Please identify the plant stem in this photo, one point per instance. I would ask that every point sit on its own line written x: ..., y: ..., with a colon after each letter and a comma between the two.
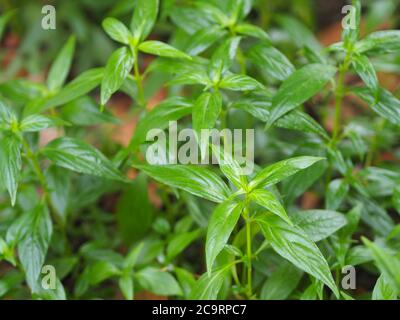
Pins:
x: 249, y: 253
x: 36, y: 167
x: 138, y: 78
x: 339, y: 94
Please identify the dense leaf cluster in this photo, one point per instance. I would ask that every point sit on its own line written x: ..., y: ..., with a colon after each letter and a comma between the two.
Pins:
x: 216, y: 233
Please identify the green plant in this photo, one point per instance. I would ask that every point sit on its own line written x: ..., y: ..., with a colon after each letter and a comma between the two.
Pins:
x: 221, y: 71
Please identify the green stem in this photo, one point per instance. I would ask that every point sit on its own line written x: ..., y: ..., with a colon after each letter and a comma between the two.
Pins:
x: 42, y: 180
x: 339, y: 94
x: 249, y: 253
x: 138, y: 78
x: 36, y: 167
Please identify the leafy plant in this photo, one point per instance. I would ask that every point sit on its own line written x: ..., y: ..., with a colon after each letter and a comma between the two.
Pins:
x: 111, y: 224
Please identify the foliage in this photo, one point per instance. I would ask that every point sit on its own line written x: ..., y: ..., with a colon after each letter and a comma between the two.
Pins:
x: 216, y: 233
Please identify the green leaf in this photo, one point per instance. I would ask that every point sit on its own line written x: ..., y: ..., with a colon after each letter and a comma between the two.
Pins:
x: 171, y: 109
x: 132, y: 257
x: 34, y: 242
x: 222, y: 58
x: 212, y: 12
x: 387, y: 263
x: 194, y: 179
x: 179, y: 242
x: 85, y: 111
x: 383, y: 103
x: 294, y: 245
x: 281, y: 283
x: 271, y: 60
x: 7, y: 115
x: 59, y: 70
x: 281, y: 170
x: 383, y: 290
x: 366, y: 71
x: 186, y: 281
x: 230, y: 167
x: 380, y: 42
x: 143, y: 19
x: 300, y: 87
x: 252, y: 31
x: 206, y: 111
x: 10, y: 164
x: 100, y: 271
x: 58, y: 182
x: 117, y: 69
x: 37, y: 122
x: 240, y: 82
x: 319, y: 224
x: 336, y: 193
x: 134, y: 212
x: 80, y: 86
x: 269, y: 201
x: 220, y: 227
x: 189, y: 19
x: 126, y: 285
x: 254, y: 105
x: 158, y: 282
x: 162, y: 49
x: 208, y: 286
x: 81, y: 157
x: 117, y: 30
x: 203, y: 39
x: 301, y: 121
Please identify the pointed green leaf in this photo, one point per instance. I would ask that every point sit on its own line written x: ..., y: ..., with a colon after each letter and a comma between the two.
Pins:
x: 383, y: 103
x: 206, y: 111
x: 281, y: 170
x: 337, y: 191
x: 301, y: 121
x: 366, y: 71
x: 158, y: 282
x: 220, y: 227
x: 240, y: 82
x: 271, y: 60
x: 78, y: 87
x: 143, y: 18
x: 34, y: 242
x: 380, y: 42
x: 222, y: 58
x: 268, y: 200
x: 10, y: 164
x: 79, y: 156
x: 229, y: 166
x: 387, y: 263
x: 162, y: 49
x: 117, y: 30
x: 203, y: 39
x: 302, y: 85
x: 171, y: 109
x: 60, y: 68
x: 319, y: 224
x: 117, y: 69
x: 194, y: 179
x: 293, y: 244
x: 252, y: 31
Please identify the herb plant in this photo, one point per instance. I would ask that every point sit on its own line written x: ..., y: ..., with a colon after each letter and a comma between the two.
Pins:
x: 112, y: 225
